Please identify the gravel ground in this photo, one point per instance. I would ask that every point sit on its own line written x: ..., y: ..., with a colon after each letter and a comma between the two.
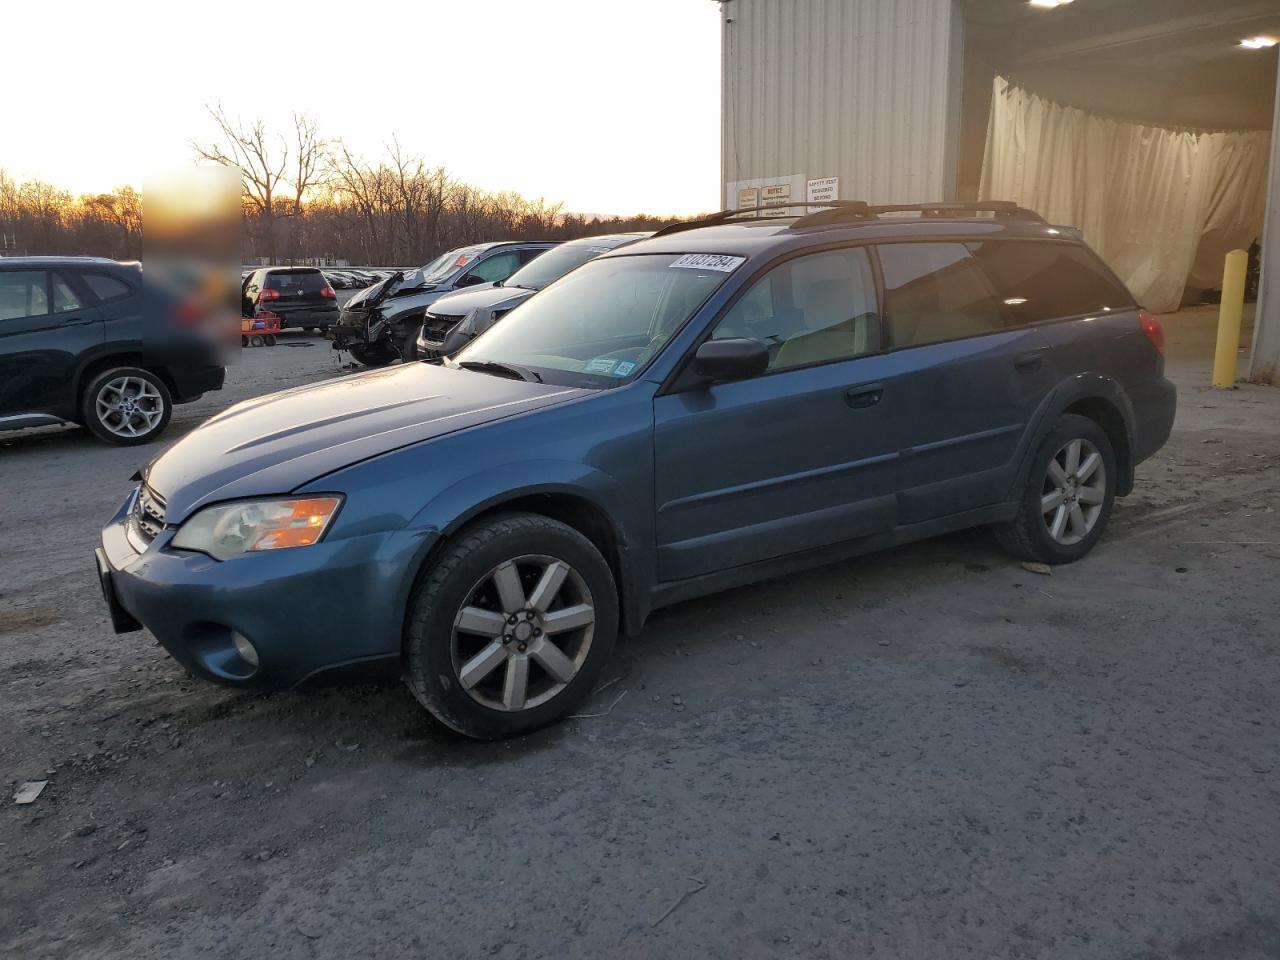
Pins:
x: 927, y: 752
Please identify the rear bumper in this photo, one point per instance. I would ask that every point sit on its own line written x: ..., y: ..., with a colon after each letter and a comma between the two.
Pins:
x: 305, y: 610
x: 306, y: 316
x: 1155, y: 405
x: 191, y: 382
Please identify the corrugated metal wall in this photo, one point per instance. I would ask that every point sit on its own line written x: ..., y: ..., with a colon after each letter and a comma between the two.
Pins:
x: 866, y: 90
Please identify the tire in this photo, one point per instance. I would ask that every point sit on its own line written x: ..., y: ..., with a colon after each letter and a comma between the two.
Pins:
x: 269, y: 339
x: 125, y: 399
x: 470, y: 681
x: 1057, y: 499
x: 255, y: 340
x: 370, y: 356
x: 409, y: 347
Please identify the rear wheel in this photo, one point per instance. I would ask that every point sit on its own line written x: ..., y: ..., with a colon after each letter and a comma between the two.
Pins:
x: 510, y: 627
x: 126, y: 406
x: 1069, y: 495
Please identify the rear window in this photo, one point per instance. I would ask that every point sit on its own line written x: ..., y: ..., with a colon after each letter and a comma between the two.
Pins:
x: 935, y: 292
x: 310, y: 281
x: 104, y: 287
x: 1044, y: 280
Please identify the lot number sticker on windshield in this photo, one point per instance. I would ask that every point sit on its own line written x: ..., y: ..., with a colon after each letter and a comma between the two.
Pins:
x: 709, y: 261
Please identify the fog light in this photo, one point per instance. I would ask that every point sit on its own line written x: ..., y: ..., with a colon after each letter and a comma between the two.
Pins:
x: 246, y: 649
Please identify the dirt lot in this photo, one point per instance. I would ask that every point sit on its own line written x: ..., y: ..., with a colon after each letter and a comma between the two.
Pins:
x: 925, y: 753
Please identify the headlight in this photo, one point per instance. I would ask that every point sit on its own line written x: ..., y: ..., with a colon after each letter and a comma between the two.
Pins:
x: 230, y: 529
x: 468, y: 323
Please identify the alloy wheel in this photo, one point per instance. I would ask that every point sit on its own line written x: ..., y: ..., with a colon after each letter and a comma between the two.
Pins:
x: 129, y: 406
x: 523, y: 633
x: 1074, y: 492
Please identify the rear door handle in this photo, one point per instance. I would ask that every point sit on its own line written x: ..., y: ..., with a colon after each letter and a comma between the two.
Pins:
x: 77, y: 323
x: 1030, y: 360
x: 867, y: 395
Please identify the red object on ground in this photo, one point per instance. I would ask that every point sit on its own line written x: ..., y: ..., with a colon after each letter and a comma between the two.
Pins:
x: 262, y: 322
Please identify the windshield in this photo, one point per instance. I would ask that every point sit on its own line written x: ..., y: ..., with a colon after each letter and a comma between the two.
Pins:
x: 440, y: 268
x: 604, y: 322
x: 554, y: 264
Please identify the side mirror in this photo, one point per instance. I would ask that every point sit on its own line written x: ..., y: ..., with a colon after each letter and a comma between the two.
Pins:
x: 733, y: 359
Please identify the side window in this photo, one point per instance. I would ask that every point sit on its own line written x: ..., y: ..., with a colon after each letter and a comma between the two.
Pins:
x: 812, y: 309
x: 935, y: 292
x: 65, y: 297
x: 104, y: 287
x: 23, y: 293
x: 527, y: 255
x: 498, y: 267
x: 1045, y: 280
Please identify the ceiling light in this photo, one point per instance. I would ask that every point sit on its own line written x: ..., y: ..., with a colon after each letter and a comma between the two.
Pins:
x: 1258, y: 43
x: 1048, y: 4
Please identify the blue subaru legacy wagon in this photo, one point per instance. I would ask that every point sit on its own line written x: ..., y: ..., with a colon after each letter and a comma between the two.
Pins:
x: 732, y: 399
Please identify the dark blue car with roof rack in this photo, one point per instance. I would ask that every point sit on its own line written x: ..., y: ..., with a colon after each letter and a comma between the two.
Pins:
x: 731, y: 399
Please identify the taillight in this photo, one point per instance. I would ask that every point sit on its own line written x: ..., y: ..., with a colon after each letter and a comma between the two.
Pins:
x: 1151, y: 327
x: 327, y: 293
x: 188, y: 313
x: 268, y: 293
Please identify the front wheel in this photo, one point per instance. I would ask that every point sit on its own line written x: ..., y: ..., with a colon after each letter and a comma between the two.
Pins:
x: 1069, y: 495
x: 510, y: 627
x: 126, y: 406
x: 371, y: 355
x: 409, y: 347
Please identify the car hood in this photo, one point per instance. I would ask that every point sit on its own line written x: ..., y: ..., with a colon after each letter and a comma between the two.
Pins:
x: 276, y: 443
x: 464, y: 301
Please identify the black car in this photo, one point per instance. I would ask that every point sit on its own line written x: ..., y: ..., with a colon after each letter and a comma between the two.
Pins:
x: 381, y: 323
x: 456, y: 319
x: 300, y: 296
x: 83, y: 341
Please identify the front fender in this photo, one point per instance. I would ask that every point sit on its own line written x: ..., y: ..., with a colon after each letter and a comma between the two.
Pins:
x: 488, y: 490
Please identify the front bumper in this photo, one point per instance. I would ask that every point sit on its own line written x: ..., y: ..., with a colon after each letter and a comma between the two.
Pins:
x: 305, y: 610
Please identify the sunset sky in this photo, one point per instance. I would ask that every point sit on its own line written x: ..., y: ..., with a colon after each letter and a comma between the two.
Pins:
x: 608, y: 106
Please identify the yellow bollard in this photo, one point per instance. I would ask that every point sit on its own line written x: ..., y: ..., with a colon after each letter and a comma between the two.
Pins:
x: 1228, y: 349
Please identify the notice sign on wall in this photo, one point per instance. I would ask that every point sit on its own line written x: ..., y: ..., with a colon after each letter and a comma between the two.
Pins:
x: 824, y: 189
x: 748, y: 197
x: 776, y: 195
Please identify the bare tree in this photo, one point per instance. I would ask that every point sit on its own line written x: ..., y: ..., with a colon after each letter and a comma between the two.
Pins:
x: 262, y: 162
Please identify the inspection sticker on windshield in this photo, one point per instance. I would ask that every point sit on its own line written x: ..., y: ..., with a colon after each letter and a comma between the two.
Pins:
x: 709, y: 261
x: 600, y: 365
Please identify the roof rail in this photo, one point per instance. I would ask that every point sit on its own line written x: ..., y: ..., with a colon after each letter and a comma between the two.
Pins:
x: 1002, y: 209
x: 853, y: 207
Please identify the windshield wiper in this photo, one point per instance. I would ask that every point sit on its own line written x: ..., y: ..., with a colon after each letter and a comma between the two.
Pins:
x: 502, y: 369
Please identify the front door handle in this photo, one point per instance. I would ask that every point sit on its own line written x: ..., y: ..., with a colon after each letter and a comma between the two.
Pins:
x: 867, y: 395
x: 1031, y: 360
x: 77, y: 323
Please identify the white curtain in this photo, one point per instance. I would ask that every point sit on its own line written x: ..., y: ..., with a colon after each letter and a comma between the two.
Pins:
x: 1161, y: 205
